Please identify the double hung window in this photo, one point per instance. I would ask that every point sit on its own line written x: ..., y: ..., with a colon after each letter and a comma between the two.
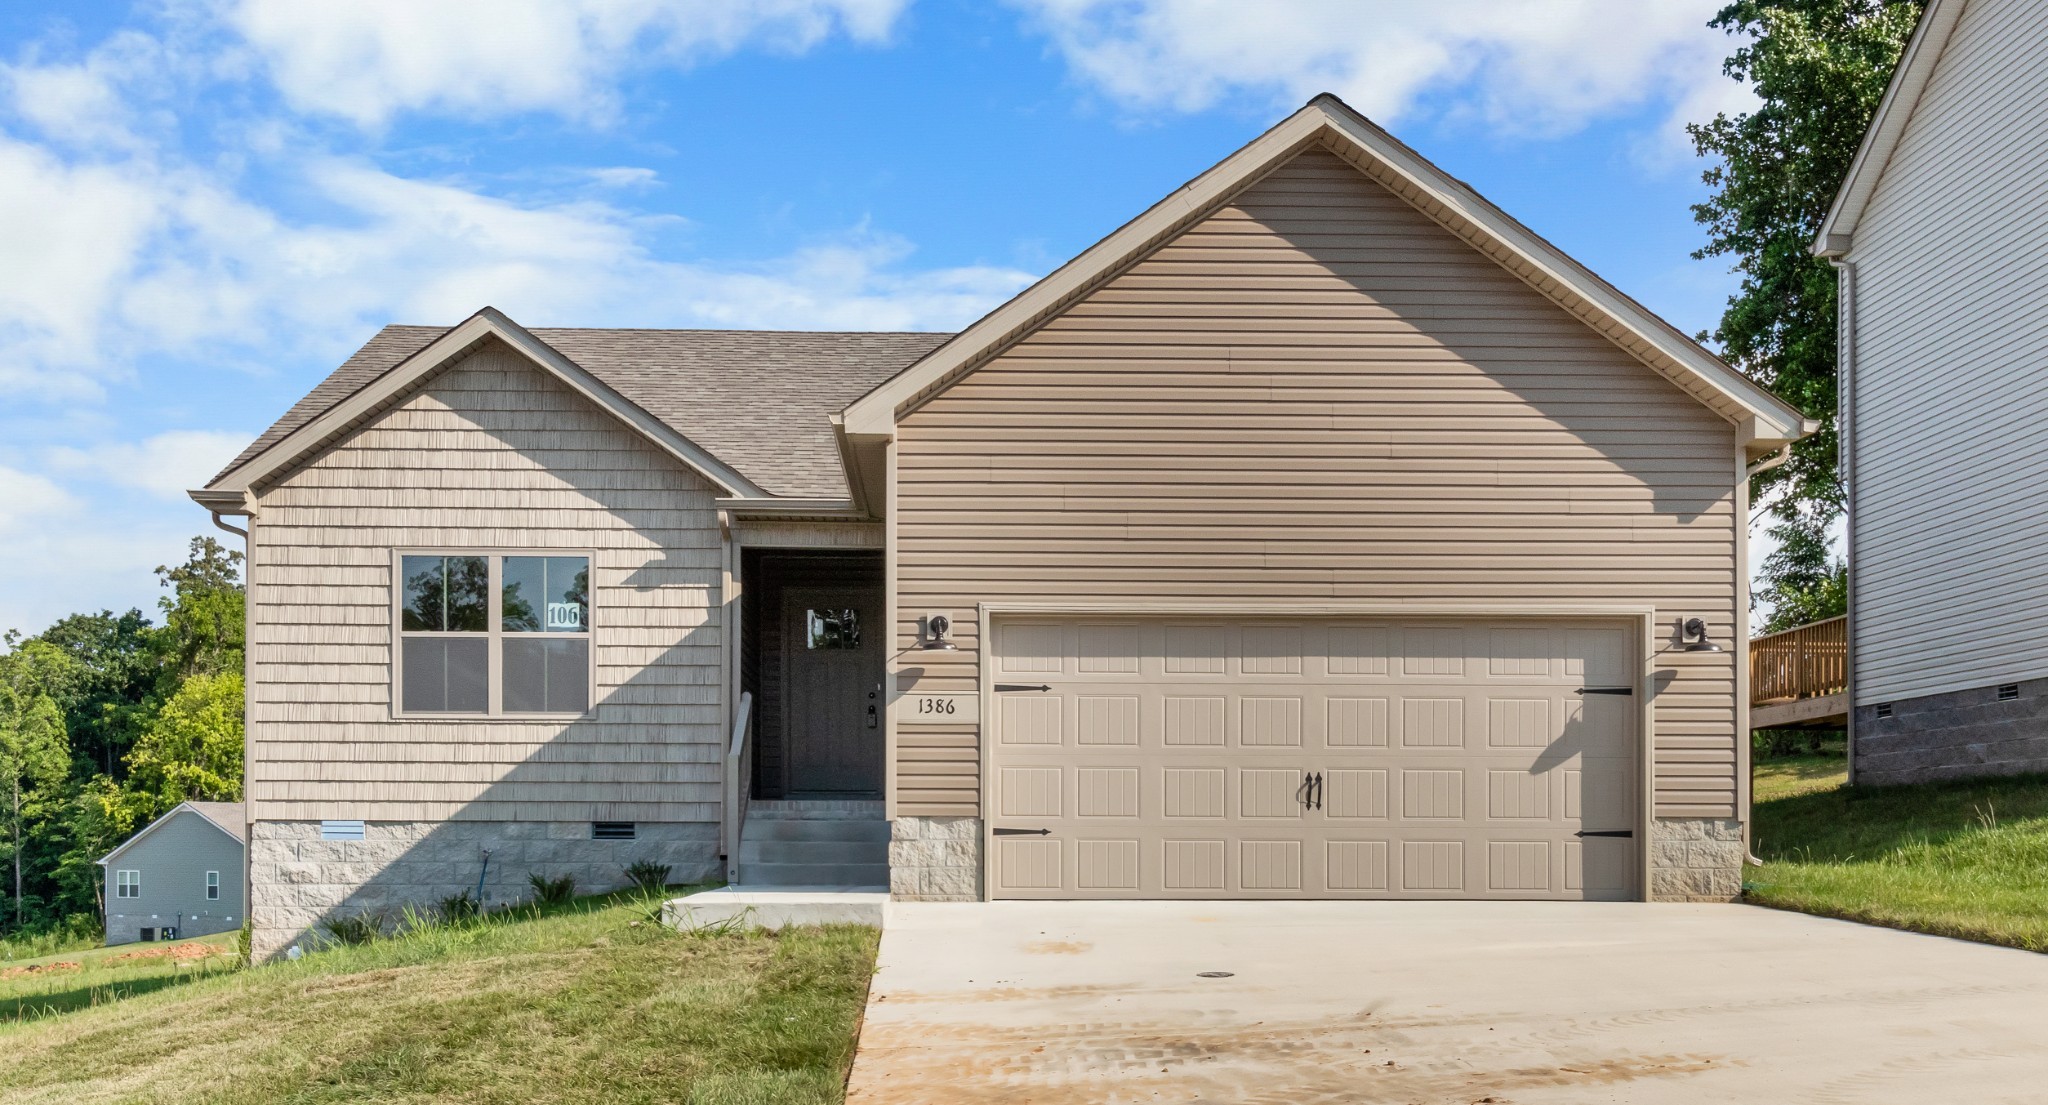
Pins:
x: 493, y: 634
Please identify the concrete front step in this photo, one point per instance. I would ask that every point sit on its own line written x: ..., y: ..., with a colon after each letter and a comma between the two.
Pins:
x: 778, y: 908
x: 776, y: 828
x: 816, y: 809
x: 813, y: 874
x: 813, y: 851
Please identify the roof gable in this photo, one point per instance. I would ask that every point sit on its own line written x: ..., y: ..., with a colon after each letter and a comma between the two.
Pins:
x: 759, y: 400
x: 1894, y: 113
x: 375, y: 395
x: 228, y: 817
x: 1326, y: 122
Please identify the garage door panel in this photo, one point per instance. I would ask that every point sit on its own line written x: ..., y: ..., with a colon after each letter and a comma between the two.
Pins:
x: 1181, y: 759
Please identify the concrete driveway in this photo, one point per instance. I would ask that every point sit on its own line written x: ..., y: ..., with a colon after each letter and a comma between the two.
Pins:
x: 1440, y: 1002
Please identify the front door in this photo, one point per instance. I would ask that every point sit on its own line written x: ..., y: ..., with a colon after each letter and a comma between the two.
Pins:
x: 832, y: 645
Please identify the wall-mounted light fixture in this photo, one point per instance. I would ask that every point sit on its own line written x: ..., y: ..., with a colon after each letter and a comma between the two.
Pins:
x: 1695, y: 636
x: 936, y: 626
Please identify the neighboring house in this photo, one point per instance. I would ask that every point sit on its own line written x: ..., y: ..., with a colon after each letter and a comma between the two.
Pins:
x: 1322, y: 532
x: 1941, y: 237
x: 180, y: 876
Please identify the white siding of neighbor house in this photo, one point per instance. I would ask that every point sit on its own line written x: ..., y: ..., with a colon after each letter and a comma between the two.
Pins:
x: 1317, y: 393
x: 492, y: 453
x: 1951, y: 389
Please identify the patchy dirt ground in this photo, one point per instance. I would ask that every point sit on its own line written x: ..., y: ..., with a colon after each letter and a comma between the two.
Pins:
x: 1438, y: 1003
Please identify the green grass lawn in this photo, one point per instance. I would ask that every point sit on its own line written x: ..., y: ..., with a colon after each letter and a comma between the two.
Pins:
x: 1955, y: 859
x: 67, y: 981
x: 595, y: 1002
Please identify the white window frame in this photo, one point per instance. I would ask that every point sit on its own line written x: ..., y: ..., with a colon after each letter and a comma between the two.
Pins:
x: 128, y: 883
x: 494, y: 694
x: 213, y: 886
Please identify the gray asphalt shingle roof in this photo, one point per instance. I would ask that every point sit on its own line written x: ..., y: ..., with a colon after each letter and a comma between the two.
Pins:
x: 228, y: 815
x: 756, y: 399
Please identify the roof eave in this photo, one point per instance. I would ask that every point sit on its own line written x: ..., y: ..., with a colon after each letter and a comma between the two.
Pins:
x: 1917, y: 62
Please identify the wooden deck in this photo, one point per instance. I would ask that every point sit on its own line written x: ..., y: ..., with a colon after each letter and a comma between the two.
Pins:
x: 1799, y: 678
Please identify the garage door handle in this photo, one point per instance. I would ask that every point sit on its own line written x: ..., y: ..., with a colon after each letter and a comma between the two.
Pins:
x: 1023, y: 687
x: 1022, y: 832
x: 1584, y: 832
x: 1607, y: 690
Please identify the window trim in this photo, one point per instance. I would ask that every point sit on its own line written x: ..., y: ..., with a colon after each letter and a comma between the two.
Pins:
x: 128, y: 883
x: 494, y: 636
x: 212, y: 883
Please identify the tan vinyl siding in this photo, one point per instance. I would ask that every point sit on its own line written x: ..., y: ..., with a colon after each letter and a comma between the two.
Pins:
x: 1316, y: 393
x: 491, y: 454
x: 1952, y: 337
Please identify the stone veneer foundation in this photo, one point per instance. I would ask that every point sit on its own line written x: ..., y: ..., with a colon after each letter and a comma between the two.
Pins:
x: 938, y: 859
x: 1696, y: 860
x: 297, y: 879
x: 935, y: 859
x: 1954, y: 735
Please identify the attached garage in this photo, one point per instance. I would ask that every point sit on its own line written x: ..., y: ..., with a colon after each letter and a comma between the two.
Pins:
x: 1323, y: 532
x: 1314, y: 757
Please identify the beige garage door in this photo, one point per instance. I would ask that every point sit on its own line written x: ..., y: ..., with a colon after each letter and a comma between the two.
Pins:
x: 1312, y: 758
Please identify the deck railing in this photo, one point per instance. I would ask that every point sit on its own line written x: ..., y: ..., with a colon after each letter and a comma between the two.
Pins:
x: 739, y: 782
x: 1807, y: 661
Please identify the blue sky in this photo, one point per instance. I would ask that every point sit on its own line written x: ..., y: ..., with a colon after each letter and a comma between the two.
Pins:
x: 207, y: 204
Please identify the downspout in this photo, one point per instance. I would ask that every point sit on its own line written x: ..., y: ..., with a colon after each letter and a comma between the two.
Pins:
x: 236, y: 530
x: 1746, y: 735
x: 1845, y: 464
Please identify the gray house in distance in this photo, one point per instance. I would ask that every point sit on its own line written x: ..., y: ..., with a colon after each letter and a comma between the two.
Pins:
x: 1321, y: 533
x: 1940, y: 236
x: 180, y: 876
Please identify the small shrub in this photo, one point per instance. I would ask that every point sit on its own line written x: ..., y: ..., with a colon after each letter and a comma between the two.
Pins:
x: 457, y: 908
x: 555, y: 891
x: 648, y: 875
x: 360, y: 928
x: 244, y: 940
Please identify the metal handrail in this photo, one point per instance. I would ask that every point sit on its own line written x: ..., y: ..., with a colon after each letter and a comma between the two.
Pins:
x: 1807, y: 661
x: 739, y: 780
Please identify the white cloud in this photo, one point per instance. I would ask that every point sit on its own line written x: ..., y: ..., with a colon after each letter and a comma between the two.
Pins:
x: 165, y: 465
x: 1541, y: 68
x: 623, y: 176
x: 368, y: 60
x: 26, y: 497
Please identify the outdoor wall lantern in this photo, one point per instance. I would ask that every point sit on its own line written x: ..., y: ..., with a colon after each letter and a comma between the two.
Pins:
x: 1695, y: 636
x: 936, y: 626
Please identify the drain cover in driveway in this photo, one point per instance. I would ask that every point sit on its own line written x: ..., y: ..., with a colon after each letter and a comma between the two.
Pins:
x: 1214, y: 974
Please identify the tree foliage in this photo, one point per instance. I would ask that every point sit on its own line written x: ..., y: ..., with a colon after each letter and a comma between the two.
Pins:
x: 1819, y: 68
x: 107, y: 721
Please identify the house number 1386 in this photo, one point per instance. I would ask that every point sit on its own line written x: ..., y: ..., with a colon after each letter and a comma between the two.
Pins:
x: 940, y: 706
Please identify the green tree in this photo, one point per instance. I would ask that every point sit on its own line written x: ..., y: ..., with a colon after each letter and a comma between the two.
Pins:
x: 118, y: 657
x: 203, y: 616
x: 35, y: 757
x: 1819, y: 67
x: 192, y: 750
x: 99, y: 816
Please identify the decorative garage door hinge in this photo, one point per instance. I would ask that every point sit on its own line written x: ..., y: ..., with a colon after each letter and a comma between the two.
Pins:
x: 1607, y: 690
x: 1601, y: 832
x: 1023, y: 832
x: 1023, y: 687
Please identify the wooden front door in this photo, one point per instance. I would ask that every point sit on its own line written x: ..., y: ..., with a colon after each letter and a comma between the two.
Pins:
x: 832, y: 653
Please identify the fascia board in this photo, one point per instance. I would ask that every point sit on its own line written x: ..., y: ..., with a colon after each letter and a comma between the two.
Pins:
x: 1551, y: 263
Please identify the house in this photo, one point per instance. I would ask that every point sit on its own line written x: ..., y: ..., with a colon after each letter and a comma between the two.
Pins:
x: 1940, y: 239
x: 1321, y: 532
x: 180, y: 876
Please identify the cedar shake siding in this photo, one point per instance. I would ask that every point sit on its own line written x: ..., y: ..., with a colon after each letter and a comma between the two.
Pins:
x: 490, y: 454
x: 1316, y: 393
